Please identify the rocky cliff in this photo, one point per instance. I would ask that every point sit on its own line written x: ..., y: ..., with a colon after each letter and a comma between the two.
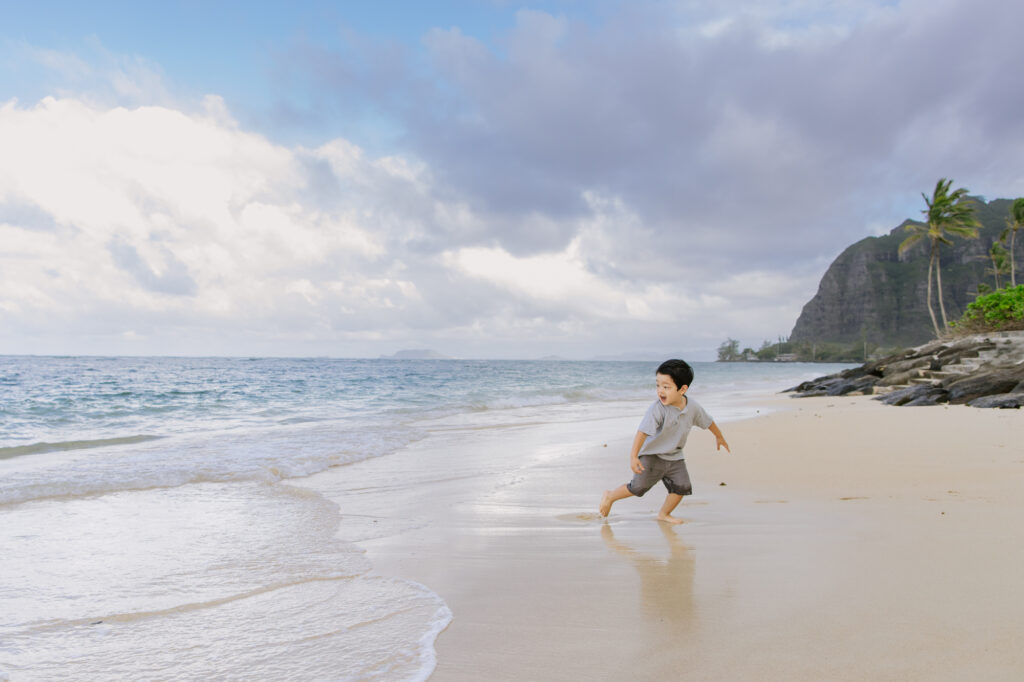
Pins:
x: 870, y: 293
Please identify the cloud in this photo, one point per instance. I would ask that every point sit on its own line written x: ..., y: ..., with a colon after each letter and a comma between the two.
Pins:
x: 171, y: 278
x: 738, y: 138
x: 156, y: 230
x: 95, y: 73
x: 650, y: 175
x: 562, y: 280
x: 721, y: 125
x: 151, y: 211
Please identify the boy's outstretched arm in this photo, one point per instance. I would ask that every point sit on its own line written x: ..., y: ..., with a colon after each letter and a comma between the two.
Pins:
x: 719, y: 438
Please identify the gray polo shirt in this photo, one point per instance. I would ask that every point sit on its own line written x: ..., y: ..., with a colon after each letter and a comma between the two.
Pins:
x: 667, y: 428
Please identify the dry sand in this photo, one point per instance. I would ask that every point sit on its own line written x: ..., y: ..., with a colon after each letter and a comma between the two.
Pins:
x: 850, y: 541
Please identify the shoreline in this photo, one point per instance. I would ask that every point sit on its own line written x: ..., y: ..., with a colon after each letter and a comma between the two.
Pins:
x: 850, y: 540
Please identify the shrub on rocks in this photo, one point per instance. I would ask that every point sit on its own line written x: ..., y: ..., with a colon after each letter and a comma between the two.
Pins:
x: 1002, y: 310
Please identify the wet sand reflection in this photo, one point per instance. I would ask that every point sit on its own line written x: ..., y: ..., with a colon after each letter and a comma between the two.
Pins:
x: 666, y: 582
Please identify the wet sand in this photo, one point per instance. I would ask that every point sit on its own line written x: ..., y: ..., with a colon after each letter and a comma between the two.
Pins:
x: 850, y: 541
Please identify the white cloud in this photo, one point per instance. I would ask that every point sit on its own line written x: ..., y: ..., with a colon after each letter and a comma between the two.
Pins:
x: 96, y: 74
x: 154, y: 230
x: 151, y: 229
x: 561, y: 278
x: 679, y: 170
x: 153, y: 211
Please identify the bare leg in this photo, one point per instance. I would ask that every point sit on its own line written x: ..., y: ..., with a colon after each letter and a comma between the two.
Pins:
x: 610, y: 497
x: 671, y: 502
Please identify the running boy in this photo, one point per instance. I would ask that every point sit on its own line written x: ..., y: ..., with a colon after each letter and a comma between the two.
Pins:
x: 657, y: 453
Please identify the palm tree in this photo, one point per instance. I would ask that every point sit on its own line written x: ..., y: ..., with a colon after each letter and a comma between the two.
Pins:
x: 1013, y: 223
x: 948, y: 213
x: 1000, y: 262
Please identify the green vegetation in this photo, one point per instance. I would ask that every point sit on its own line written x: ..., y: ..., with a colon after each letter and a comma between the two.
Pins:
x: 1001, y: 310
x: 803, y: 351
x: 1013, y: 223
x: 729, y: 351
x: 948, y: 213
x: 1000, y: 258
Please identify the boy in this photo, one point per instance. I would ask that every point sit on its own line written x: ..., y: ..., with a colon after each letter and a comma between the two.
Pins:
x: 667, y: 423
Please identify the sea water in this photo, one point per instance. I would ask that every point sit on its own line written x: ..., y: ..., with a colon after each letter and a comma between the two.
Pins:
x: 148, y: 529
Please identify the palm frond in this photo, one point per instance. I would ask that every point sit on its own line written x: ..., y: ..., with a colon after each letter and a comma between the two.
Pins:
x: 910, y: 241
x: 1017, y: 211
x: 965, y: 231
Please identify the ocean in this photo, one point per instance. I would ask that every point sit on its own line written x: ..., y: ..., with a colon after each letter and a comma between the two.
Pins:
x: 149, y: 529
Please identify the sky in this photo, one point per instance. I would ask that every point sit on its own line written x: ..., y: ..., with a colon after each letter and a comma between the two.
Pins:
x: 489, y: 179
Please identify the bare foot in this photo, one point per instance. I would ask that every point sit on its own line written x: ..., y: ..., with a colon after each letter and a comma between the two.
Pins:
x: 606, y: 503
x: 669, y: 519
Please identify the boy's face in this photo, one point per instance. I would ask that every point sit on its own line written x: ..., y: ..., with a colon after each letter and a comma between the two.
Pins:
x: 668, y: 393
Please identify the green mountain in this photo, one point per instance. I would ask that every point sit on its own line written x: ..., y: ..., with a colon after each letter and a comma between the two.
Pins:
x: 871, y: 294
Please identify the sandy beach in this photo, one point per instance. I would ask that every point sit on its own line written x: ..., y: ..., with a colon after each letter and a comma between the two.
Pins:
x: 841, y: 539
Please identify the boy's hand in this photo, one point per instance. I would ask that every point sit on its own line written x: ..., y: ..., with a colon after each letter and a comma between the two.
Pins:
x: 719, y: 438
x: 635, y: 465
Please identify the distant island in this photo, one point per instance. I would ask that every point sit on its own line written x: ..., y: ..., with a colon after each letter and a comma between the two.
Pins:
x: 641, y: 356
x: 416, y: 354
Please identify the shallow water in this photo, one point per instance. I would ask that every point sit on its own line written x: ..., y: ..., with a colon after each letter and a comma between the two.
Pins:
x: 149, y: 530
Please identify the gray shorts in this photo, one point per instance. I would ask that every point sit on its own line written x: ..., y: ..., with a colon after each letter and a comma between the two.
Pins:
x: 673, y: 474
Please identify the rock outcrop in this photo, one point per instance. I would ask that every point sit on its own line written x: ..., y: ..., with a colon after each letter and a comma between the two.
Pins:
x: 873, y: 294
x: 982, y: 371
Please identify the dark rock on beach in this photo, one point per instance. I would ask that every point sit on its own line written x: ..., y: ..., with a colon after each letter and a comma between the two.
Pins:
x: 856, y: 381
x: 981, y: 371
x: 1002, y: 400
x: 985, y: 384
x: 913, y: 396
x: 821, y: 386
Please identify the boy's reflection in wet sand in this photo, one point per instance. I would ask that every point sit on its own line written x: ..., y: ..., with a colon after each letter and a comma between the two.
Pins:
x: 666, y: 584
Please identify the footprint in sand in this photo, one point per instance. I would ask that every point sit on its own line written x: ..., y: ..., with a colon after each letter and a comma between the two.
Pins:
x: 844, y: 499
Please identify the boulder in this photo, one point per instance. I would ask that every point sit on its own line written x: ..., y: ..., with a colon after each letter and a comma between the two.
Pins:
x: 861, y: 385
x: 936, y: 396
x: 834, y: 385
x: 874, y: 367
x: 982, y: 384
x: 1001, y: 400
x: 900, y: 378
x: 858, y: 372
x: 816, y: 387
x: 957, y: 352
x: 919, y: 394
x: 813, y: 384
x: 904, y: 366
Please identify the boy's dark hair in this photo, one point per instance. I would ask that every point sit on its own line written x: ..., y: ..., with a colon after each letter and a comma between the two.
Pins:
x: 681, y: 373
